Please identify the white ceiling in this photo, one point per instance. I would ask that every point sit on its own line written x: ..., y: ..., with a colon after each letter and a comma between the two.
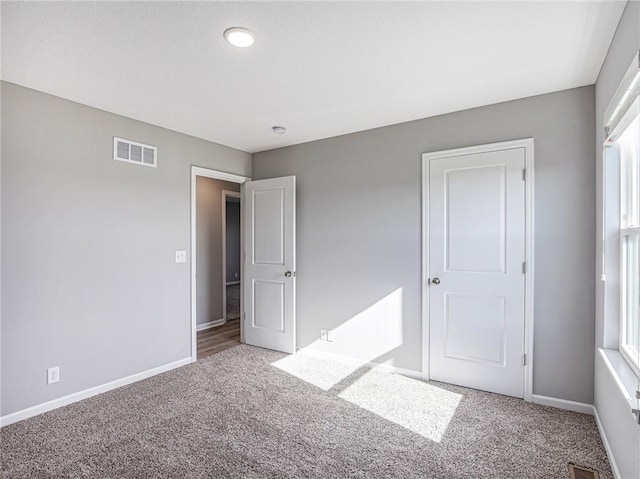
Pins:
x: 319, y: 68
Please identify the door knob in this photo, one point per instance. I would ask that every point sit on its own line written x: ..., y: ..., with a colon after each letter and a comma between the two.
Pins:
x: 436, y: 281
x: 287, y: 274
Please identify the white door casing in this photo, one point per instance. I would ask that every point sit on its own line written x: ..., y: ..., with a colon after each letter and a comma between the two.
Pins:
x: 477, y: 327
x: 270, y: 263
x: 218, y: 175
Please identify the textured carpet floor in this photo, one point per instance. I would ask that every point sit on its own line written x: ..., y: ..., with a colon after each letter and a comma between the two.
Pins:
x: 246, y: 412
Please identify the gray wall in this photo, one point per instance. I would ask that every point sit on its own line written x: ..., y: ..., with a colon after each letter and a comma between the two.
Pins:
x: 613, y: 410
x: 359, y: 219
x: 209, y: 293
x: 89, y: 279
x: 233, y: 241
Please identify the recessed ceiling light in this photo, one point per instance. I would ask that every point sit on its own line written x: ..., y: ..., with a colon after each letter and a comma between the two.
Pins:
x: 279, y: 130
x: 239, y: 37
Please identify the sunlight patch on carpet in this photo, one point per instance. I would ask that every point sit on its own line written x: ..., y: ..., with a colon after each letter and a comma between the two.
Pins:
x: 415, y: 405
x: 317, y: 368
x: 420, y: 407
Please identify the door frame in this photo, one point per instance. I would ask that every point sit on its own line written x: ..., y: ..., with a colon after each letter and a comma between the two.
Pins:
x: 527, y: 145
x: 216, y: 175
x: 228, y: 194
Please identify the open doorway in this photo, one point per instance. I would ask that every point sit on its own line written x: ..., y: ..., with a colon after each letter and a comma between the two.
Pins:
x: 231, y: 248
x: 216, y: 262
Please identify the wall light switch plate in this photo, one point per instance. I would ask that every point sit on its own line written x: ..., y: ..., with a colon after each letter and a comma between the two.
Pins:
x: 323, y: 335
x: 181, y: 256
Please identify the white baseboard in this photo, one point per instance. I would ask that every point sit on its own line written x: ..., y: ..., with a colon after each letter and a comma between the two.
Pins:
x: 210, y: 324
x: 232, y: 283
x: 587, y: 409
x: 607, y: 447
x: 387, y: 368
x: 410, y: 373
x: 563, y: 404
x: 87, y: 393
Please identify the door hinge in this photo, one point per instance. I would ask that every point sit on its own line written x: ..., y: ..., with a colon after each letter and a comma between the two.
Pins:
x: 524, y: 267
x: 244, y: 316
x: 524, y: 359
x: 524, y: 174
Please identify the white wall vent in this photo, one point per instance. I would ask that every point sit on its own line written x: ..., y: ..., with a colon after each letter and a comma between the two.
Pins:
x: 134, y: 152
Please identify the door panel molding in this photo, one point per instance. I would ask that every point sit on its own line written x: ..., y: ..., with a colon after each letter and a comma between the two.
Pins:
x: 451, y: 329
x: 268, y: 254
x: 460, y: 226
x: 528, y: 145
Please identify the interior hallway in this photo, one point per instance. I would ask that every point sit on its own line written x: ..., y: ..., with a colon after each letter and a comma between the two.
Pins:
x: 214, y: 340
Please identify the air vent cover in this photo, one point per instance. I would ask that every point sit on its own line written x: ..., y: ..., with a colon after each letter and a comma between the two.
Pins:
x: 579, y: 472
x: 134, y: 152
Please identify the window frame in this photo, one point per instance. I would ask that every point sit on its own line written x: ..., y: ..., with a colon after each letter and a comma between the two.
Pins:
x: 629, y: 230
x: 621, y: 114
x: 628, y: 353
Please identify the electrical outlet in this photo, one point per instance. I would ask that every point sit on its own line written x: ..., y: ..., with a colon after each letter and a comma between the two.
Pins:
x: 331, y: 335
x: 181, y: 256
x: 323, y: 335
x: 53, y: 375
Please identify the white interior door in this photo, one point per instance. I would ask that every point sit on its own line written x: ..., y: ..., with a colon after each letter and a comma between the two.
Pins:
x: 476, y: 288
x: 270, y: 263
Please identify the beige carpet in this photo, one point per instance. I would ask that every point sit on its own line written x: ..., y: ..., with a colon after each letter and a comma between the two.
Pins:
x: 249, y: 412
